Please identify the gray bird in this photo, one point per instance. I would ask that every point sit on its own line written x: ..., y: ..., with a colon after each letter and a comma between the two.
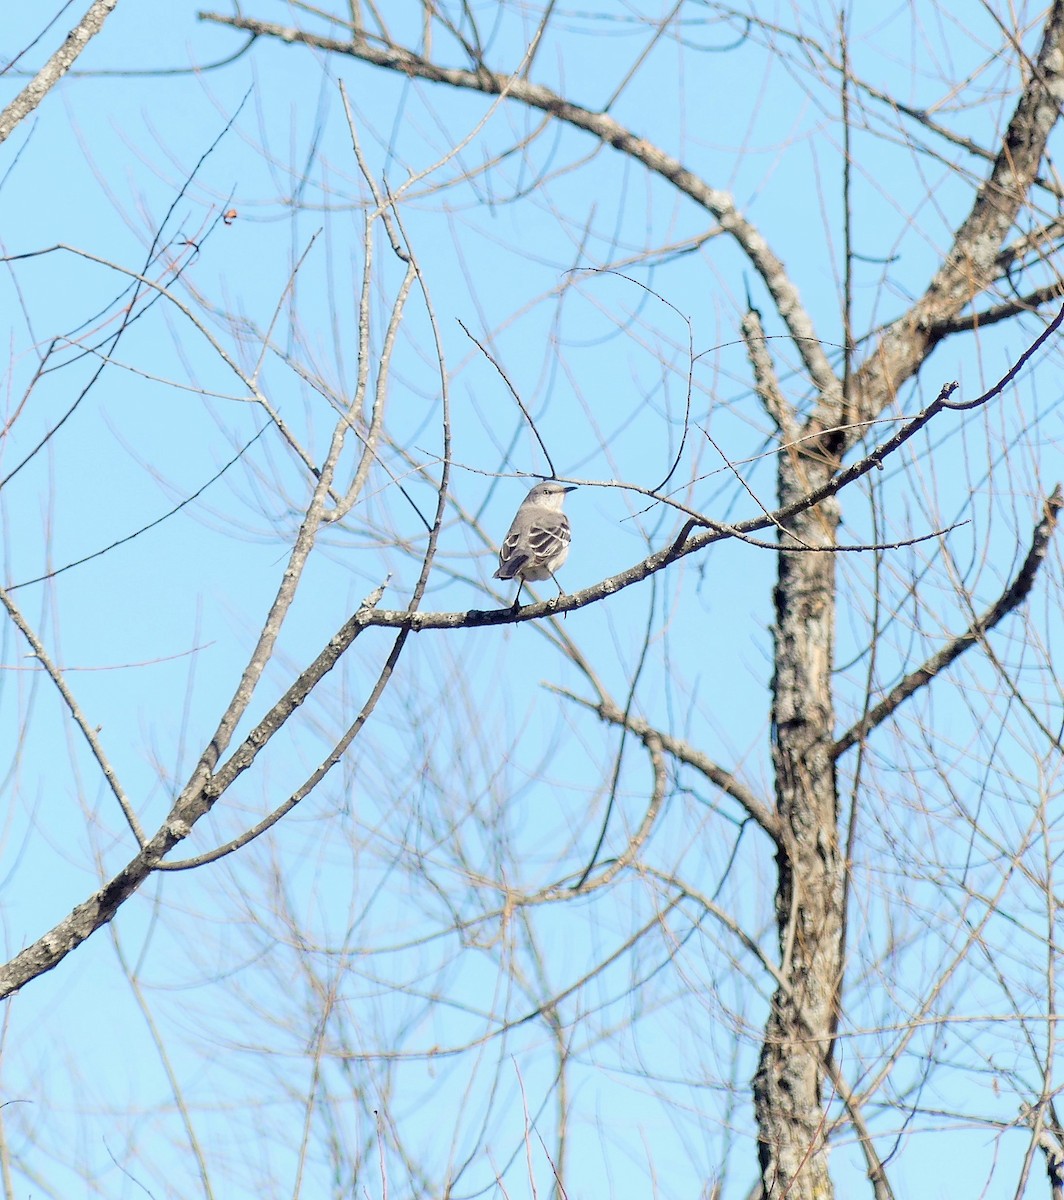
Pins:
x: 538, y: 541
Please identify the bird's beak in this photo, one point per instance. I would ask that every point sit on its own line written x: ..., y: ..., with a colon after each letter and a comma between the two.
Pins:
x: 570, y: 489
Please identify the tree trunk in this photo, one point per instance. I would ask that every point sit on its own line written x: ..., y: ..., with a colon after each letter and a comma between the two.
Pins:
x: 788, y: 1100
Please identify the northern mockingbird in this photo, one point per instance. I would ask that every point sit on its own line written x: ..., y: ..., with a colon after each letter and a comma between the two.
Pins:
x: 538, y: 541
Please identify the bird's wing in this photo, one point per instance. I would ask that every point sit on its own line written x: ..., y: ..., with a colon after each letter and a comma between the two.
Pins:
x: 511, y: 556
x: 541, y: 542
x: 547, y: 539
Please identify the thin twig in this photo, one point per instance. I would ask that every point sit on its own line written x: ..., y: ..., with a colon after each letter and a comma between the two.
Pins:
x: 1010, y: 599
x: 513, y: 392
x: 82, y: 722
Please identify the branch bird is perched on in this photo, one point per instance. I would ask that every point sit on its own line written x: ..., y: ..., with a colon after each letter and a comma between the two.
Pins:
x: 538, y: 541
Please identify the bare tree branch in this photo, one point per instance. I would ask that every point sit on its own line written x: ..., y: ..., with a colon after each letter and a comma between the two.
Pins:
x: 689, y: 755
x: 766, y: 379
x: 716, y: 201
x: 1050, y: 1141
x: 1001, y: 312
x: 972, y: 260
x: 1013, y: 596
x: 56, y: 67
x: 55, y: 674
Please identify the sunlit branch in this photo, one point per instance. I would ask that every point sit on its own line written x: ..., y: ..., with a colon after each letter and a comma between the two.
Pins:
x: 1050, y: 1140
x: 766, y: 379
x: 56, y: 67
x: 971, y: 262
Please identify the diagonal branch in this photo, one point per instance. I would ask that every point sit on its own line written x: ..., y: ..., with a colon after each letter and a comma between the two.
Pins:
x: 766, y: 379
x: 1048, y: 1139
x: 972, y: 261
x: 56, y: 67
x: 1010, y: 599
x: 197, y: 798
x: 87, y: 731
x: 683, y: 752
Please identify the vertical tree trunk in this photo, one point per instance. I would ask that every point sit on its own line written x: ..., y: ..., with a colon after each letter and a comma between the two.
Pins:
x: 788, y: 1086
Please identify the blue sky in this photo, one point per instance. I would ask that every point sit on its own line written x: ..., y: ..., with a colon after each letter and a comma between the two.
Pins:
x: 435, y: 810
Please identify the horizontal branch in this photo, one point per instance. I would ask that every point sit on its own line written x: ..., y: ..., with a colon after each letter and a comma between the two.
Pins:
x: 1000, y: 312
x: 202, y: 791
x: 1010, y: 599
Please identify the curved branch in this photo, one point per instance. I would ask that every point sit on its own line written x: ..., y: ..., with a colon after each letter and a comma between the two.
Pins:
x: 638, y: 839
x: 1011, y: 598
x: 683, y: 752
x: 716, y: 201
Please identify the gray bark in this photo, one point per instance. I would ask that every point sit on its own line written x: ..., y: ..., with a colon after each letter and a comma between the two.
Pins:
x: 788, y: 1086
x: 56, y: 67
x: 810, y: 898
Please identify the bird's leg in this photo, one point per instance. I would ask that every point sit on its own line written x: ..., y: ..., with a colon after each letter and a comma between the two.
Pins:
x: 561, y: 592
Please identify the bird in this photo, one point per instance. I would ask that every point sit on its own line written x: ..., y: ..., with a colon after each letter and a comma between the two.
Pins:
x: 538, y: 539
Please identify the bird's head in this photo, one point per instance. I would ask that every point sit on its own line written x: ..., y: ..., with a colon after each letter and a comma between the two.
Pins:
x: 550, y: 493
